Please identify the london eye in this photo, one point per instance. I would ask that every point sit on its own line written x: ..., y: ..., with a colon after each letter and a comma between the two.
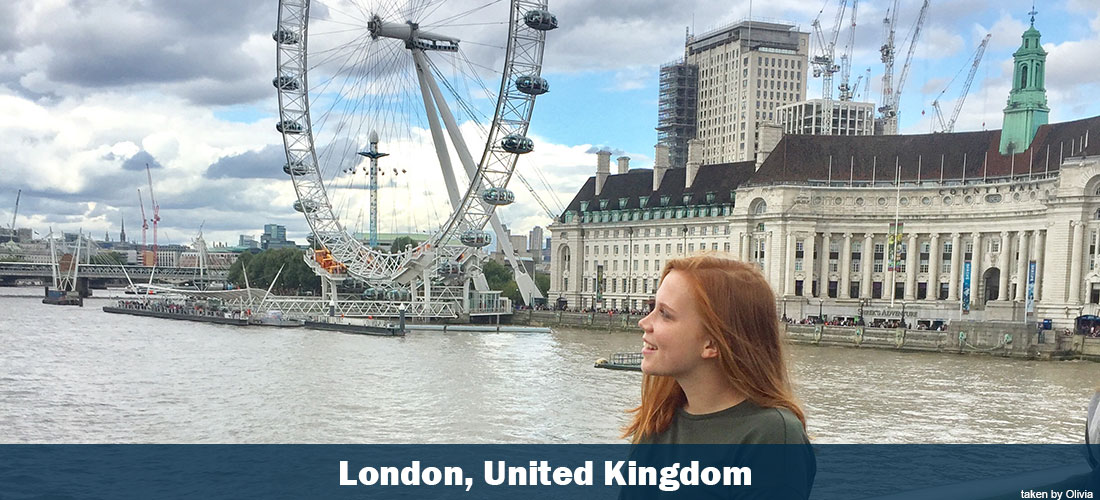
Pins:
x: 358, y: 77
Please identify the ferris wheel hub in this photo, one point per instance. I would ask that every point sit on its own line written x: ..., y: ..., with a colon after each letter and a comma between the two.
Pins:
x: 410, y: 33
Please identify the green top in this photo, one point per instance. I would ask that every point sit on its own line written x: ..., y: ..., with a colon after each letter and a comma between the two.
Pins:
x: 743, y: 423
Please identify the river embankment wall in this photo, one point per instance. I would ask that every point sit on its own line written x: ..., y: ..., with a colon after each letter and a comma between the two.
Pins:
x: 1015, y: 340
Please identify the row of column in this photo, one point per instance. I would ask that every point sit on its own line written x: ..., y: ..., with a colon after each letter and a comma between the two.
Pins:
x: 1029, y: 247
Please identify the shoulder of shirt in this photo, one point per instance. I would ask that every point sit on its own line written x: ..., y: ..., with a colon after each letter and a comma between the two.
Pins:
x: 778, y: 426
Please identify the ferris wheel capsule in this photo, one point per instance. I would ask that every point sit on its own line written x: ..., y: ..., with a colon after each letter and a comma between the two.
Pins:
x: 540, y: 20
x: 285, y: 37
x: 289, y: 127
x: 372, y: 294
x: 476, y: 239
x: 296, y: 169
x: 498, y: 196
x: 398, y: 295
x: 305, y: 206
x: 284, y: 82
x: 449, y: 269
x: 532, y: 85
x: 517, y: 144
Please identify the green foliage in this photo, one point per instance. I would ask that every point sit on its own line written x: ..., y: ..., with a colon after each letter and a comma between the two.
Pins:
x: 262, y: 268
x: 496, y: 274
x: 542, y: 281
x: 111, y: 258
x: 400, y: 242
x: 511, y: 291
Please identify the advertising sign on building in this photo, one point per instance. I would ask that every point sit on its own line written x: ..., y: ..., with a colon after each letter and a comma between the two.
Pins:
x: 966, y: 288
x: 1030, y: 288
x: 893, y: 246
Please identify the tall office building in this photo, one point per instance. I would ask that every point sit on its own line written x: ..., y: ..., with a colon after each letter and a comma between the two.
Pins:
x: 534, y: 244
x: 745, y: 72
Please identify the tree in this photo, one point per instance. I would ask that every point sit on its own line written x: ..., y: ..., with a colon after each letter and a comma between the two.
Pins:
x: 262, y: 269
x: 496, y: 274
x: 542, y: 280
x: 400, y: 242
x: 111, y: 258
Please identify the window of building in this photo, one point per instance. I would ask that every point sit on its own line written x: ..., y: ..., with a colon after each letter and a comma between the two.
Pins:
x: 880, y: 252
x: 922, y: 290
x: 853, y: 289
x: 925, y: 250
x: 944, y: 290
x: 899, y: 291
x: 876, y: 290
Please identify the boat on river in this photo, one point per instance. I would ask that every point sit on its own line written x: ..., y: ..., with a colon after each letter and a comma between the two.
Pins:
x: 626, y: 361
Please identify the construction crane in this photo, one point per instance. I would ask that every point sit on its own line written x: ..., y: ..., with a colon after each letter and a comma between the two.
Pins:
x: 908, y: 59
x: 156, y: 211
x: 949, y: 125
x: 886, y: 52
x: 846, y: 59
x: 891, y: 96
x: 144, y: 227
x: 15, y: 214
x: 824, y: 63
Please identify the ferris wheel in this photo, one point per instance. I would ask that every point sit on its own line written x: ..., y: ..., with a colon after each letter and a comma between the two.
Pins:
x: 355, y: 77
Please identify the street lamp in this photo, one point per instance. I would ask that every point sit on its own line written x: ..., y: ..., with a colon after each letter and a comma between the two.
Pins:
x: 820, y: 307
x: 903, y: 325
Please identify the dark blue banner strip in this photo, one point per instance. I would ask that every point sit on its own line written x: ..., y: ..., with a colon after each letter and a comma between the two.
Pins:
x: 547, y: 471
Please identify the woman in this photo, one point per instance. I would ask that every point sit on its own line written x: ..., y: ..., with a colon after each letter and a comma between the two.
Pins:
x: 714, y: 373
x: 713, y: 360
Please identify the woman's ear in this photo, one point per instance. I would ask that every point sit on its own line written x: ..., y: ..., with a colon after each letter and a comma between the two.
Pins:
x: 710, y: 350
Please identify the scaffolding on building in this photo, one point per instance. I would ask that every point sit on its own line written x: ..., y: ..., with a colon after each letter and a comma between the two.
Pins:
x: 677, y: 105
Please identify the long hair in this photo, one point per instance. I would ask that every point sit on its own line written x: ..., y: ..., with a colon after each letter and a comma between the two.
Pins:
x: 737, y: 309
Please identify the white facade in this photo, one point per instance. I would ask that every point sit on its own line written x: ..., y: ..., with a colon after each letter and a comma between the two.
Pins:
x: 824, y: 247
x: 746, y: 71
x: 808, y: 117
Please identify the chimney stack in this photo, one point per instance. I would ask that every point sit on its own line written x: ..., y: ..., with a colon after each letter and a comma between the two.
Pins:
x: 624, y: 164
x: 660, y: 164
x: 603, y: 169
x: 695, y: 160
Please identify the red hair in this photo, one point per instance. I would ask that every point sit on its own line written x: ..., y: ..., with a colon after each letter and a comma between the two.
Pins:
x: 737, y: 309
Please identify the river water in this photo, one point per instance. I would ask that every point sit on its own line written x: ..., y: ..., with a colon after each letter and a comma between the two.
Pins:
x: 79, y: 375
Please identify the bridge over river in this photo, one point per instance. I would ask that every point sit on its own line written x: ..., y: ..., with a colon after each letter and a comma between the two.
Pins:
x: 11, y: 271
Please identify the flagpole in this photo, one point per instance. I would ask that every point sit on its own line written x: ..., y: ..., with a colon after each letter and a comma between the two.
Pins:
x: 897, y: 242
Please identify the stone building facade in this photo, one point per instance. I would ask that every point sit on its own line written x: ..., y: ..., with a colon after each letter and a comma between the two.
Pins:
x: 983, y: 235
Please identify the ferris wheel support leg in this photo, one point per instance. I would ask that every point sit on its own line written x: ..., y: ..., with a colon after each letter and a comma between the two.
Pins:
x: 328, y: 287
x: 526, y: 285
x: 427, y: 280
x: 424, y: 76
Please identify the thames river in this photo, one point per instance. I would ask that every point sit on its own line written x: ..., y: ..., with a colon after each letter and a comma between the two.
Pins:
x: 79, y: 375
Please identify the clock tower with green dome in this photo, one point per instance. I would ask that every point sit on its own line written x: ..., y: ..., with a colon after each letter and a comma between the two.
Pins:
x: 1027, y: 102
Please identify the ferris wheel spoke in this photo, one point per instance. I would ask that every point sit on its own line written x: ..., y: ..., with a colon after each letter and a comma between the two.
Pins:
x: 460, y: 15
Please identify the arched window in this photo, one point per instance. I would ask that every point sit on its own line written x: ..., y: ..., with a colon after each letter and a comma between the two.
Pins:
x: 758, y: 207
x: 1023, y: 76
x: 1097, y: 214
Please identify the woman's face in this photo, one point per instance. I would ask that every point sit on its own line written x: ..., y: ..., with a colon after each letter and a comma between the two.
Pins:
x: 673, y: 341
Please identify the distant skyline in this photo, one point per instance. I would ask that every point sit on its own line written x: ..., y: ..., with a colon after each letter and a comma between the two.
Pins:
x: 91, y: 91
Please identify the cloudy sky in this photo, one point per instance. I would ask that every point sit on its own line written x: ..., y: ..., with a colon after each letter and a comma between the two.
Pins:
x: 91, y: 91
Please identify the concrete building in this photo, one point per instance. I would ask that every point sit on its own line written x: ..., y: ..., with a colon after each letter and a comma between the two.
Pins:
x: 808, y: 117
x: 981, y: 235
x: 534, y: 244
x: 249, y: 241
x: 275, y: 237
x: 745, y: 72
